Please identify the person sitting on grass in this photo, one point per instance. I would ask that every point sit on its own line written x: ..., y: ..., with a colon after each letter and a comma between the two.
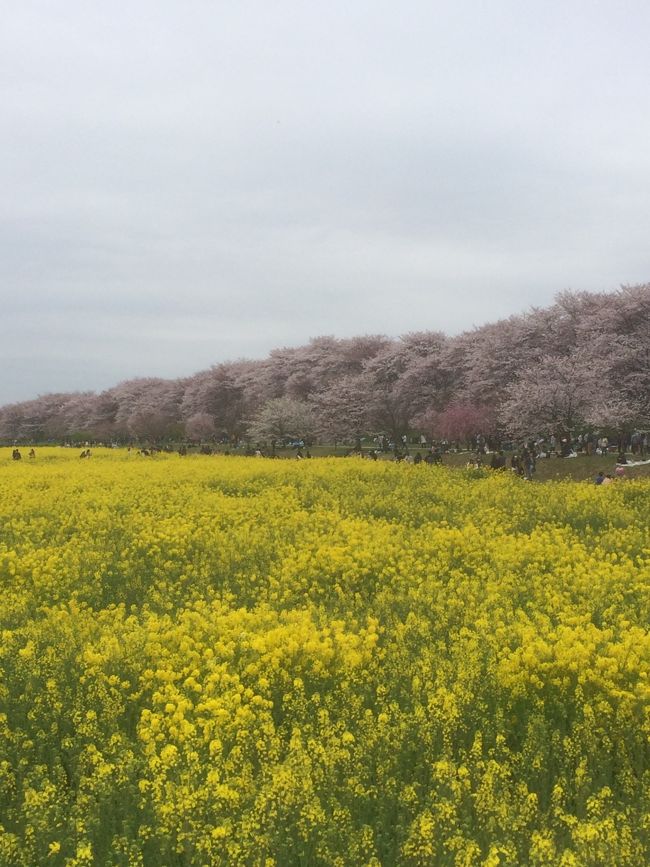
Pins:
x: 498, y: 461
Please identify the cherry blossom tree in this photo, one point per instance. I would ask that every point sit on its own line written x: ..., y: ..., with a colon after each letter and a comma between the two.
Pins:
x: 459, y: 422
x: 619, y: 342
x: 554, y: 396
x: 341, y: 411
x: 283, y: 418
x: 11, y: 422
x: 200, y: 426
x: 221, y: 393
x: 387, y: 383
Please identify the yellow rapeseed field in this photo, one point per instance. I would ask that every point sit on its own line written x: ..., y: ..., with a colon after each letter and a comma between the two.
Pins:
x: 231, y: 661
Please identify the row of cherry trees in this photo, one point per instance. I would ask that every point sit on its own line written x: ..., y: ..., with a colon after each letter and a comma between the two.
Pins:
x: 583, y: 362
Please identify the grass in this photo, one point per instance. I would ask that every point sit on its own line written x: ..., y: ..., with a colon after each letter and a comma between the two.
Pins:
x: 582, y: 468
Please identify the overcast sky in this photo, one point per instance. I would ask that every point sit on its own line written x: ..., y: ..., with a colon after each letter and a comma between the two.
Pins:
x: 188, y: 182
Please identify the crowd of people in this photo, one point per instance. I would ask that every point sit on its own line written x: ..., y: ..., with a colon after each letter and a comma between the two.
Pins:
x: 497, y: 456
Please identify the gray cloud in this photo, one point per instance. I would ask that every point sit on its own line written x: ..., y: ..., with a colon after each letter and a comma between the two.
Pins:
x: 185, y: 183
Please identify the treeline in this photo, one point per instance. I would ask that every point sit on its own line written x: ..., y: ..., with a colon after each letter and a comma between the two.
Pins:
x: 582, y: 363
